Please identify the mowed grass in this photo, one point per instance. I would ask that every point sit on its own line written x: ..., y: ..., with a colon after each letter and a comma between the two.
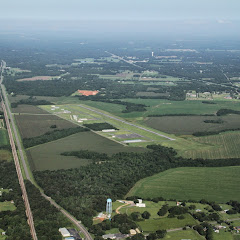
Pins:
x: 48, y: 156
x: 185, y: 234
x: 223, y: 145
x: 185, y: 125
x: 153, y: 225
x: 213, y: 184
x: 3, y: 137
x: 36, y: 125
x: 7, y: 206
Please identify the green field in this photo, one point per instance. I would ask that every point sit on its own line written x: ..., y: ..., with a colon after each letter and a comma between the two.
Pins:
x: 3, y: 137
x: 151, y: 207
x: 47, y: 156
x: 153, y: 225
x: 223, y: 145
x: 186, y: 234
x: 185, y: 125
x: 7, y: 206
x: 5, y: 155
x: 35, y: 125
x: 213, y: 184
x: 222, y: 235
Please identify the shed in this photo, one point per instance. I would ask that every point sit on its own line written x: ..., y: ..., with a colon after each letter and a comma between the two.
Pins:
x: 64, y: 232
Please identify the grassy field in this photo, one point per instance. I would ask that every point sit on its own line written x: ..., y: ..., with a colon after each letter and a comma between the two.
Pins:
x: 3, y: 137
x: 185, y: 125
x: 5, y: 155
x: 7, y: 206
x: 223, y: 145
x: 187, y: 234
x: 47, y: 156
x: 35, y: 125
x: 153, y: 225
x: 222, y: 235
x: 151, y: 207
x: 213, y: 184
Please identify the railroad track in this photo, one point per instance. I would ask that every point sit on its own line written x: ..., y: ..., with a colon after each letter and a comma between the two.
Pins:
x: 19, y: 174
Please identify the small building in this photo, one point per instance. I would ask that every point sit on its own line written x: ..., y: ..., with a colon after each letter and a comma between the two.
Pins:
x: 108, y: 130
x: 179, y: 203
x: 140, y: 203
x: 64, y: 232
x: 198, y: 210
x: 133, y: 232
x: 69, y: 238
x: 111, y: 236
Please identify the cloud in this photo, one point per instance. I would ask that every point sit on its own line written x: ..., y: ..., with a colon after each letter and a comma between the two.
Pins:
x: 221, y: 21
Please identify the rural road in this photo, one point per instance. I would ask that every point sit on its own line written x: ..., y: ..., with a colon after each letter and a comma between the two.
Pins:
x: 124, y: 205
x: 70, y: 217
x: 128, y: 123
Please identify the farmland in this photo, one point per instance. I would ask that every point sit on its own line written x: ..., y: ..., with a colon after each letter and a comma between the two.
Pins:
x: 223, y: 145
x: 29, y: 109
x: 187, y: 125
x: 213, y: 184
x: 36, y: 125
x: 48, y: 156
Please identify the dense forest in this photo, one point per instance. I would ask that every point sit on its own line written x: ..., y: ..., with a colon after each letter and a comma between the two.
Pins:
x: 83, y: 191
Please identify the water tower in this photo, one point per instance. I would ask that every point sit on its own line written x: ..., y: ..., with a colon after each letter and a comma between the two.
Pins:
x: 109, y: 207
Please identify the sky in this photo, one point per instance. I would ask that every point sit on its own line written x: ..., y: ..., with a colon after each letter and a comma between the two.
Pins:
x: 127, y: 10
x: 142, y: 17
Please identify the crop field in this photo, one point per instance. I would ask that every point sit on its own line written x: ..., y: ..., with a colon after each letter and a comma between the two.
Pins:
x: 36, y: 125
x: 223, y: 145
x: 213, y: 184
x: 29, y: 109
x: 153, y: 225
x: 47, y: 156
x: 186, y: 125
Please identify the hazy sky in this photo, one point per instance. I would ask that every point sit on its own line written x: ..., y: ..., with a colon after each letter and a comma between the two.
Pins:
x: 120, y: 9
